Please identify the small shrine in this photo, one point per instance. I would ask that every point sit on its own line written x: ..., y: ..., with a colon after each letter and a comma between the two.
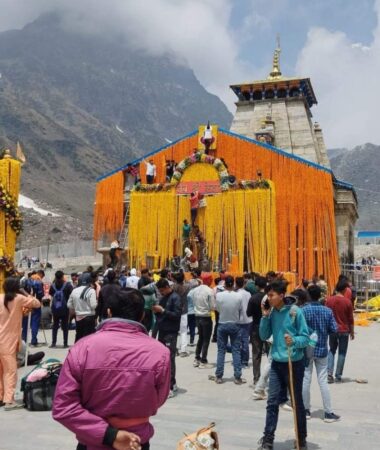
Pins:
x: 10, y: 218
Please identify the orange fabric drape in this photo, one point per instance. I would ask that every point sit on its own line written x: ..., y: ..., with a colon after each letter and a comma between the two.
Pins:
x: 109, y: 207
x: 306, y: 239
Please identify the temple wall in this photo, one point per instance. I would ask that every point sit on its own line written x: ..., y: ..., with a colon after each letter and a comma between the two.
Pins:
x: 294, y: 130
x: 345, y: 218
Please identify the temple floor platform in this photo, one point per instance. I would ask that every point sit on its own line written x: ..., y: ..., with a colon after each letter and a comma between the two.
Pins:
x: 239, y: 419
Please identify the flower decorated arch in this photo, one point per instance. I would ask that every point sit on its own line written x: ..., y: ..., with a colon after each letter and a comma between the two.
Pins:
x: 200, y: 157
x: 226, y: 180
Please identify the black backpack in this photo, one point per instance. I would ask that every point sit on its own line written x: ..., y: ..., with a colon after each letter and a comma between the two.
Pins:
x: 59, y: 303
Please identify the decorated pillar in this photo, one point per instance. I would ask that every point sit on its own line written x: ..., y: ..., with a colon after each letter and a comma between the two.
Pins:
x: 10, y: 219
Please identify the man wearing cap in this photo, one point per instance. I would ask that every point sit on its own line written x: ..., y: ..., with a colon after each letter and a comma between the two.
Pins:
x: 204, y: 302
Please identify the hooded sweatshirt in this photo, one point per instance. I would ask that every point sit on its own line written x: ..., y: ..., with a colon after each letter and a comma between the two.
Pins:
x: 288, y: 320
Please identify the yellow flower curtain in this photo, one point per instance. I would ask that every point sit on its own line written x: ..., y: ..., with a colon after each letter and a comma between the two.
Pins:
x: 10, y: 173
x: 237, y: 223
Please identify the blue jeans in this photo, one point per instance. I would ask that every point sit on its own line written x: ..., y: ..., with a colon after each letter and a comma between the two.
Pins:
x: 34, y: 325
x: 244, y: 349
x: 278, y: 384
x: 225, y: 331
x: 337, y: 341
x: 321, y: 368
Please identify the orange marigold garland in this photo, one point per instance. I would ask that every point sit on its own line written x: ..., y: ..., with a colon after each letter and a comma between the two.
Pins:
x: 109, y: 207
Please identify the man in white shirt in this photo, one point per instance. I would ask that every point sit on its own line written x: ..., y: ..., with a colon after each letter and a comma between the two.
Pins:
x: 83, y: 302
x: 150, y: 171
x: 245, y: 321
x: 204, y: 302
x: 229, y: 306
x: 133, y: 279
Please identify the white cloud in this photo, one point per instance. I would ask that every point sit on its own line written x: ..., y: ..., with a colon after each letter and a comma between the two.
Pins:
x: 197, y: 32
x: 345, y: 77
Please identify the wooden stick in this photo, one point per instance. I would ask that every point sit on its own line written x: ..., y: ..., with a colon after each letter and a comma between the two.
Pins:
x: 294, y: 407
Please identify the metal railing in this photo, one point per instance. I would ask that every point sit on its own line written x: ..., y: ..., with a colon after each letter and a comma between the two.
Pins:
x: 363, y: 278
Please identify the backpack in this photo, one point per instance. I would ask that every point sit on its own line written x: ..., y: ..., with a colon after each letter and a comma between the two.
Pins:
x: 59, y: 303
x: 39, y: 395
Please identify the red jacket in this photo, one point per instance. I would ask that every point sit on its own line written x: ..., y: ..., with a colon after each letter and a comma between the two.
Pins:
x: 117, y: 372
x: 343, y: 312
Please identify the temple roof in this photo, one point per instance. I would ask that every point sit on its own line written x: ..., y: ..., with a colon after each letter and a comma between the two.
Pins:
x: 235, y: 135
x: 276, y: 81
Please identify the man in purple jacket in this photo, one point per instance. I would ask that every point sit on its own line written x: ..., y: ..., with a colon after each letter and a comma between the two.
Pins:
x: 113, y: 381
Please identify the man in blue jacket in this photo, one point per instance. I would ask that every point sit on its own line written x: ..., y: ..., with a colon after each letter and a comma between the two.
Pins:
x: 287, y: 325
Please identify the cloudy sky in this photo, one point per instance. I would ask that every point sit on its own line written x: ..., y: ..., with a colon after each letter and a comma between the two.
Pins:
x: 334, y: 42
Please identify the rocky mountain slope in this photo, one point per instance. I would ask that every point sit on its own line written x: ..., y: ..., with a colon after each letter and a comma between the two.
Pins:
x: 360, y: 167
x: 83, y: 104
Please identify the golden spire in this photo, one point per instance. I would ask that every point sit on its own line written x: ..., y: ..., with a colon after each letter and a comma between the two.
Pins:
x: 276, y: 71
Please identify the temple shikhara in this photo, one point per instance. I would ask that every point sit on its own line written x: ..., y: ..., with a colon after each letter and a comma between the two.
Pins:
x: 258, y: 197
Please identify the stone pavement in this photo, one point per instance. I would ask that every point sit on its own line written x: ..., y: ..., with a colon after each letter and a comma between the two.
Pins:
x: 239, y: 419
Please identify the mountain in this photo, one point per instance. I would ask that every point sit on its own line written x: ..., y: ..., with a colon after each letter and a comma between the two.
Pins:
x: 359, y: 167
x: 83, y: 104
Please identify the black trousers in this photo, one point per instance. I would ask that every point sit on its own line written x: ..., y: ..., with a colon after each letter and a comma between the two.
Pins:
x: 148, y: 319
x: 191, y: 323
x: 113, y: 257
x: 170, y: 341
x: 257, y: 352
x: 84, y: 327
x: 145, y: 446
x: 63, y: 322
x: 194, y: 213
x: 215, y: 334
x: 204, y: 325
x: 149, y: 179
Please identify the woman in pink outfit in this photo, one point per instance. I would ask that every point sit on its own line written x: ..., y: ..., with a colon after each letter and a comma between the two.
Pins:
x: 12, y: 305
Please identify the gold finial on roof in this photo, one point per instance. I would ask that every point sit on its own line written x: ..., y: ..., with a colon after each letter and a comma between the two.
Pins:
x: 276, y: 71
x: 7, y: 154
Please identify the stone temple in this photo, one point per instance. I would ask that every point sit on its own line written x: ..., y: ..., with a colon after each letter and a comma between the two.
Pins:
x: 277, y: 110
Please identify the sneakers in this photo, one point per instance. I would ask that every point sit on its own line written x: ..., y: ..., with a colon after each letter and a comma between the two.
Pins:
x: 216, y: 379
x: 286, y: 407
x: 171, y: 394
x: 205, y: 366
x: 196, y: 363
x: 52, y: 346
x: 192, y: 344
x: 240, y: 381
x: 330, y: 379
x: 175, y: 388
x: 259, y: 395
x: 13, y: 406
x: 308, y: 415
x: 184, y: 354
x: 338, y: 380
x: 265, y: 444
x: 331, y: 417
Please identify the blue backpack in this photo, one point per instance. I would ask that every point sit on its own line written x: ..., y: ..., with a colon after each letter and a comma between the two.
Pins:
x: 59, y: 303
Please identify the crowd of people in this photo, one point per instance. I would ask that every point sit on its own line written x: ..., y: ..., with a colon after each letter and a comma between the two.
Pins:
x: 136, y: 325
